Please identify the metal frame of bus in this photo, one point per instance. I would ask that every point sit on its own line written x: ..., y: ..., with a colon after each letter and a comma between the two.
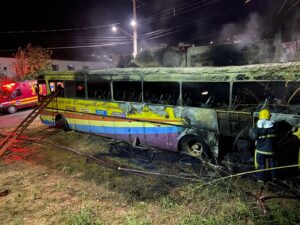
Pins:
x: 194, y: 130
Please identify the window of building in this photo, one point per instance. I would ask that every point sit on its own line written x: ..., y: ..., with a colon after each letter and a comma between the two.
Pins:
x: 205, y: 94
x: 99, y: 90
x: 130, y: 91
x: 55, y: 67
x: 71, y: 67
x: 166, y: 93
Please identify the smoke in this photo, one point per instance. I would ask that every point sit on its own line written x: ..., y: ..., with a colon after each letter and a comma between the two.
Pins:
x: 243, y: 33
x: 295, y: 25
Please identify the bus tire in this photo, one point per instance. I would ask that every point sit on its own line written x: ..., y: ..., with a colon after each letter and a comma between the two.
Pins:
x: 12, y: 109
x: 61, y: 122
x: 194, y: 146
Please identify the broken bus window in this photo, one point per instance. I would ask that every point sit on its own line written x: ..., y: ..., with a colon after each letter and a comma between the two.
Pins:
x: 130, y: 91
x: 205, y: 94
x: 166, y: 93
x: 99, y: 90
x: 272, y: 93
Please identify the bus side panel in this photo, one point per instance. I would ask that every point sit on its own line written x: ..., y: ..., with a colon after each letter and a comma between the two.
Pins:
x: 82, y: 123
x: 71, y: 120
x: 162, y: 136
x: 47, y: 118
x: 136, y: 131
x: 95, y: 125
x: 152, y: 127
x: 202, y: 122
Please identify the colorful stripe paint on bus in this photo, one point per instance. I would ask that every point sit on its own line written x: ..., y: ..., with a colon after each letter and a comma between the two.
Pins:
x: 155, y: 130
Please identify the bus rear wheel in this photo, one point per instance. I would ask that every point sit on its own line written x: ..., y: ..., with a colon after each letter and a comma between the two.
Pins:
x: 12, y: 109
x: 61, y: 122
x: 194, y: 146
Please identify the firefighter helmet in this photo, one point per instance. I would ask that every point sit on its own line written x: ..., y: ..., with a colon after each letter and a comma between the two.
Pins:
x: 264, y: 114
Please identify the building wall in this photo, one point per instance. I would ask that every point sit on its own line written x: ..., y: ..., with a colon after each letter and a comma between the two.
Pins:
x: 7, y: 69
x: 238, y: 54
x: 79, y: 65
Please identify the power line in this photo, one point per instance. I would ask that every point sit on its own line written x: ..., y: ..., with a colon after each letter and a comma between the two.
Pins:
x: 75, y: 47
x: 58, y: 30
x: 181, y: 10
x: 281, y: 7
x: 169, y: 10
x: 293, y: 6
x: 160, y: 32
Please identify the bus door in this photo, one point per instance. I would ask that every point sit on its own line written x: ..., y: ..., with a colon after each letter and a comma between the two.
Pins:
x: 233, y: 123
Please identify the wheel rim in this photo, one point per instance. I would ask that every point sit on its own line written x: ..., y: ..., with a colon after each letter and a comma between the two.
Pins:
x: 12, y: 109
x: 196, y: 148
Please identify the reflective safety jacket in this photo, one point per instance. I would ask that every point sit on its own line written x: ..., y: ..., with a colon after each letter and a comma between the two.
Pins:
x: 265, y: 135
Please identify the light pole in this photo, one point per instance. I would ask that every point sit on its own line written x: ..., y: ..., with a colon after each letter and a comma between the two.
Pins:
x: 134, y: 28
x: 134, y: 36
x: 133, y: 24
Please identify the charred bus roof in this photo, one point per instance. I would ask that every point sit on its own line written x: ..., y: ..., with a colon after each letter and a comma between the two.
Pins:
x: 259, y: 72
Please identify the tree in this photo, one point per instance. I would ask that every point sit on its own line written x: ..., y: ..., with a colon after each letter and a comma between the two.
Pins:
x: 30, y: 61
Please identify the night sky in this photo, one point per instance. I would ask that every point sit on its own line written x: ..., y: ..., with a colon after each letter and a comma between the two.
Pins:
x: 78, y: 28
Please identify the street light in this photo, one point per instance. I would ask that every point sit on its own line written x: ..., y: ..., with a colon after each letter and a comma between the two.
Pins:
x: 134, y: 36
x: 115, y: 29
x: 133, y: 23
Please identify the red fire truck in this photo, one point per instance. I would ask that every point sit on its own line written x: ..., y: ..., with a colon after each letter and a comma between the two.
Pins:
x: 17, y: 95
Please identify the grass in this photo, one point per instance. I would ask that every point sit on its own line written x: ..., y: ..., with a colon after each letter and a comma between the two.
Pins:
x: 133, y: 221
x: 56, y: 187
x: 86, y: 216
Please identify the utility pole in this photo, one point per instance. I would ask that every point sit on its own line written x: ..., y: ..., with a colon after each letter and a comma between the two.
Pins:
x: 134, y: 30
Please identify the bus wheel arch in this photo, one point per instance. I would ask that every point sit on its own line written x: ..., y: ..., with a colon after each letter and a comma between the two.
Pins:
x: 194, y: 145
x: 12, y: 109
x: 61, y: 122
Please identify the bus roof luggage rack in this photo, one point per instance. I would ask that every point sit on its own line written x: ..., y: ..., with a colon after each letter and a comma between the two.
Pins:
x: 9, y: 139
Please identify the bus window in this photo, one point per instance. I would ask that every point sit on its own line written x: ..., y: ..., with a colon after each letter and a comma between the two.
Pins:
x: 80, y: 89
x: 98, y: 90
x: 70, y: 89
x: 252, y: 94
x: 166, y: 93
x: 293, y: 93
x: 56, y: 85
x: 205, y: 94
x: 130, y: 91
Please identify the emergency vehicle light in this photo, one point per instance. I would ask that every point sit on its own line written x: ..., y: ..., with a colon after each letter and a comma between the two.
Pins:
x: 9, y: 86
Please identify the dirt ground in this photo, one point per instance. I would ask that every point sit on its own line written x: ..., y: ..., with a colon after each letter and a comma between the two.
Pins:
x: 43, y: 184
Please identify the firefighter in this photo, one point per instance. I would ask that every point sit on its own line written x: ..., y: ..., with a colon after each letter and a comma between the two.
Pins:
x: 265, y: 136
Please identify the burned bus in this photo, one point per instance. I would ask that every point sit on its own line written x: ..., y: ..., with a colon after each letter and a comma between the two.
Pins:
x: 188, y: 110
